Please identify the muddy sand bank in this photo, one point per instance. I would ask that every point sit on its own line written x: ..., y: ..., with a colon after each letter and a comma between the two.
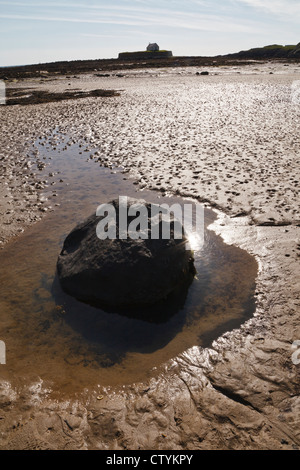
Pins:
x: 230, y: 140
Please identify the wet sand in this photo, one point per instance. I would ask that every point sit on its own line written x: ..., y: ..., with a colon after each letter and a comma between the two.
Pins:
x: 230, y: 140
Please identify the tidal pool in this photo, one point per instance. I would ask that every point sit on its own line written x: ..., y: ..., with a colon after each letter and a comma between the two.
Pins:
x: 72, y: 346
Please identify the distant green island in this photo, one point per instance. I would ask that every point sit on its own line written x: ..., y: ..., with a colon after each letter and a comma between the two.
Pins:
x: 152, y: 52
x: 140, y: 55
x: 274, y: 51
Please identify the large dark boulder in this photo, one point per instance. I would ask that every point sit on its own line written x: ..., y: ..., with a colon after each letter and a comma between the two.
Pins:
x: 122, y: 273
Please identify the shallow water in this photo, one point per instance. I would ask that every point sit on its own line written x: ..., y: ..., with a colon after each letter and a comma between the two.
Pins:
x: 72, y: 346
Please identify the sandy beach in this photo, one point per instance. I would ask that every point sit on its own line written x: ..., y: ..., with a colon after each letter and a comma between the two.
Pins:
x: 229, y: 140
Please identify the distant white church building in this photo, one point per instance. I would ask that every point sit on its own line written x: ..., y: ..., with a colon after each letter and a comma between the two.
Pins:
x: 152, y: 47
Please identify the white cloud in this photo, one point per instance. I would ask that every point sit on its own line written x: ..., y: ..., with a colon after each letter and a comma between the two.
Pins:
x: 88, y: 35
x: 276, y: 7
x: 71, y: 20
x: 146, y: 17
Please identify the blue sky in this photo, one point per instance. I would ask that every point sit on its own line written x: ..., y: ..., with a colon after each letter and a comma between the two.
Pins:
x: 33, y: 31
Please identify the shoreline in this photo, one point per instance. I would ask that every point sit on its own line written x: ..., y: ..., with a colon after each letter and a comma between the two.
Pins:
x: 242, y: 393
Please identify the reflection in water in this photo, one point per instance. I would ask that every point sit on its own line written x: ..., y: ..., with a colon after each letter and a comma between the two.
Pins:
x: 195, y: 241
x: 114, y: 334
x: 72, y: 345
x: 160, y: 312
